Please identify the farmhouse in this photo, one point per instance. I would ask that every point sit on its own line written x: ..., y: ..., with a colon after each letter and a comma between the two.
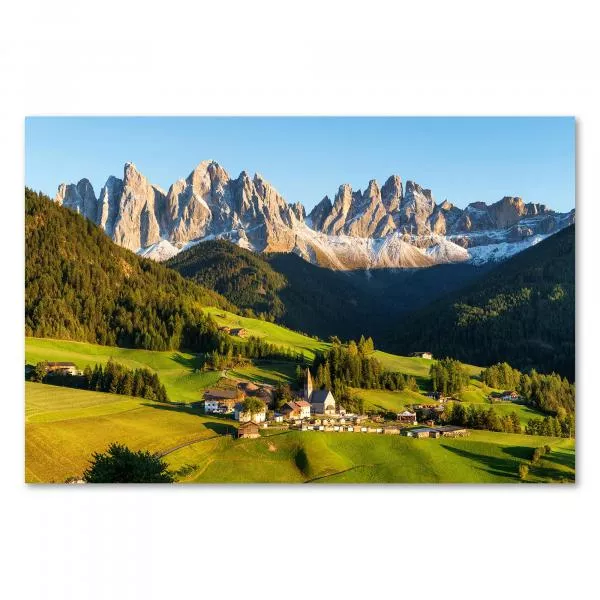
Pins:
x: 239, y: 332
x: 225, y: 329
x: 423, y: 432
x: 510, y: 395
x: 216, y: 400
x: 407, y: 417
x: 452, y: 431
x: 427, y: 355
x: 244, y: 417
x: 62, y: 368
x: 321, y: 401
x: 248, y: 430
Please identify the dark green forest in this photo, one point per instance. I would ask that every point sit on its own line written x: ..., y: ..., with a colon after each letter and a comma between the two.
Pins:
x: 285, y: 288
x: 79, y: 285
x: 523, y: 311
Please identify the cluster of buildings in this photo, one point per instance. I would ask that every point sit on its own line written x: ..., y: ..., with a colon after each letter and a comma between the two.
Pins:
x: 228, y: 400
x: 314, y: 410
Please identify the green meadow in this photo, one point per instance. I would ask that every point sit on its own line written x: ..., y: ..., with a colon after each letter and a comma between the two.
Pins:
x: 65, y: 426
x: 319, y: 457
x: 177, y: 370
x: 275, y: 334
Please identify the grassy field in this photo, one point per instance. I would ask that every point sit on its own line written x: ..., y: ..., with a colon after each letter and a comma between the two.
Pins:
x: 410, y: 365
x: 276, y: 334
x: 390, y: 401
x: 317, y: 457
x: 177, y: 370
x: 64, y: 427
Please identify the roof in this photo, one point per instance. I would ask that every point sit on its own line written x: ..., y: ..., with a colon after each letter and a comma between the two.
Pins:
x: 248, y: 424
x: 426, y: 429
x: 407, y: 413
x: 61, y: 364
x: 319, y: 396
x: 290, y: 404
x: 450, y: 428
x: 230, y: 393
x: 302, y: 403
x: 249, y: 386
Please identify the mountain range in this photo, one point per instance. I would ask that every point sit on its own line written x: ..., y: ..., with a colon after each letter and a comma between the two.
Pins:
x: 392, y: 226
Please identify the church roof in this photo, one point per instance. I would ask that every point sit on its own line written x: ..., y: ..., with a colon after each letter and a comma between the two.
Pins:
x: 319, y: 396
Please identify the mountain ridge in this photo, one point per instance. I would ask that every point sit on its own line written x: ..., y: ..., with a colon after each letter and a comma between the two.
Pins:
x: 396, y: 225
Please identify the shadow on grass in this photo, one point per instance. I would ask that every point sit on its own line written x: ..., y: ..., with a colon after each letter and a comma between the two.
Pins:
x: 503, y: 467
x: 522, y: 452
x: 565, y: 459
x: 194, y: 362
x: 219, y: 425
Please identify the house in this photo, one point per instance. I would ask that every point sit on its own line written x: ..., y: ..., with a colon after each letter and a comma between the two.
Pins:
x: 426, y: 355
x: 62, y: 368
x: 248, y: 430
x: 239, y: 332
x: 407, y: 417
x: 225, y: 329
x: 290, y: 410
x: 244, y: 417
x: 510, y: 396
x: 223, y: 401
x: 423, y: 432
x: 322, y: 402
x: 278, y: 418
x: 304, y: 407
x: 452, y: 431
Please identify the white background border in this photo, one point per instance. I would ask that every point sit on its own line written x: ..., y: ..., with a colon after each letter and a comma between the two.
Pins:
x: 425, y: 58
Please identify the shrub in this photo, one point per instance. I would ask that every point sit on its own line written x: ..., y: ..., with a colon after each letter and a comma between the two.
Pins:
x: 523, y: 471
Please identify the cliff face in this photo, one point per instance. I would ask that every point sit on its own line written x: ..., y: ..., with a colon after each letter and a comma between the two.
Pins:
x: 391, y: 226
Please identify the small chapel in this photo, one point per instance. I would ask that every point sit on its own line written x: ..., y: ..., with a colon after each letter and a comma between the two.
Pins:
x: 322, y: 402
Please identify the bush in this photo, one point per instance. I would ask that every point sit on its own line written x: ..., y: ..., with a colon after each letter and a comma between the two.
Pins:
x: 547, y: 449
x: 523, y: 471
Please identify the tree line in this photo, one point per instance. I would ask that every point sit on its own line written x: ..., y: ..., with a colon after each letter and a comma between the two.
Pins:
x: 551, y: 393
x: 353, y: 365
x: 113, y: 378
x: 448, y: 376
x: 480, y: 417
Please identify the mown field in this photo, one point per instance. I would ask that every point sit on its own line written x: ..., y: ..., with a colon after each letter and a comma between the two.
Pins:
x: 64, y: 427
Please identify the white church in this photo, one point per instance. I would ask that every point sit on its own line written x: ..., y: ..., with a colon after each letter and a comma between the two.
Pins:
x: 322, y: 402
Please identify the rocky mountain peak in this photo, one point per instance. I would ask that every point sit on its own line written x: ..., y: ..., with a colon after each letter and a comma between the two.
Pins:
x: 388, y: 226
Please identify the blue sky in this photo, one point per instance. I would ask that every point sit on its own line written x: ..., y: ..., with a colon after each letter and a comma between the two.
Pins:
x: 462, y: 159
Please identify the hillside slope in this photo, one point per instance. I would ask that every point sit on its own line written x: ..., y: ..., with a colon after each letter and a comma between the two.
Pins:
x: 289, y: 290
x: 80, y: 285
x: 522, y: 312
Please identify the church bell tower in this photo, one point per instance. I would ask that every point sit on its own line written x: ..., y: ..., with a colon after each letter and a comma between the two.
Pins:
x: 308, y: 386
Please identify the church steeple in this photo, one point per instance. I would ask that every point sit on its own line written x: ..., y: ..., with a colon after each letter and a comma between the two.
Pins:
x: 308, y: 386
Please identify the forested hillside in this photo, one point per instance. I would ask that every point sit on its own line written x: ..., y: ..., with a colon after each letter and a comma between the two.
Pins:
x: 523, y: 312
x: 287, y: 289
x: 79, y: 285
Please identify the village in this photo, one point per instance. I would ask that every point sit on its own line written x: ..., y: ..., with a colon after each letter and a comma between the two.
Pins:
x: 316, y: 410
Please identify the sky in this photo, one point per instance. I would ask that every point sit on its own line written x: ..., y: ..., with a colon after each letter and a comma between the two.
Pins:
x: 461, y: 159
